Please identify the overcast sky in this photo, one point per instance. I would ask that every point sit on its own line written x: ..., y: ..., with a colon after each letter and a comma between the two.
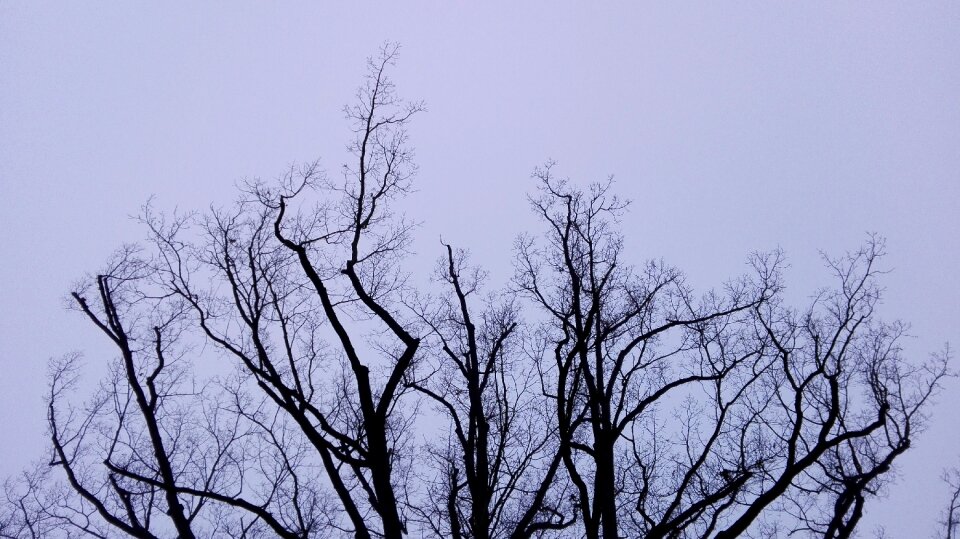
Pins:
x: 733, y: 129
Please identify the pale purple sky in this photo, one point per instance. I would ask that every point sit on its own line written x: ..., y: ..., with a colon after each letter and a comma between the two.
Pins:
x: 733, y: 129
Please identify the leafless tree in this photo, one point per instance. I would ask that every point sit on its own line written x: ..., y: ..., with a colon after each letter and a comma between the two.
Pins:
x: 842, y: 403
x: 150, y: 453
x: 276, y: 375
x: 288, y: 283
x: 497, y: 473
x: 769, y: 406
x: 618, y: 342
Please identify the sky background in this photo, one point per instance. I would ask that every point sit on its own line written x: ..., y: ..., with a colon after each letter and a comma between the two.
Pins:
x: 733, y: 129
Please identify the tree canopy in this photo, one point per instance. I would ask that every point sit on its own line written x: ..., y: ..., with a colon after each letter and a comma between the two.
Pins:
x: 594, y: 395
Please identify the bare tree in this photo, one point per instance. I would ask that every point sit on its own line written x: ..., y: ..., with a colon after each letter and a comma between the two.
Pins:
x: 150, y: 453
x: 293, y: 284
x: 274, y: 364
x: 497, y: 474
x: 618, y: 342
x: 843, y: 402
x: 769, y: 406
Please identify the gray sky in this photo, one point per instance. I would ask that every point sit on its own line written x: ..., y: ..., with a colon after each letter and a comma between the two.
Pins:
x: 733, y: 129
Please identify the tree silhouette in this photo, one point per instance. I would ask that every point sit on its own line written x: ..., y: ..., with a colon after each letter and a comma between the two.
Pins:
x: 277, y: 374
